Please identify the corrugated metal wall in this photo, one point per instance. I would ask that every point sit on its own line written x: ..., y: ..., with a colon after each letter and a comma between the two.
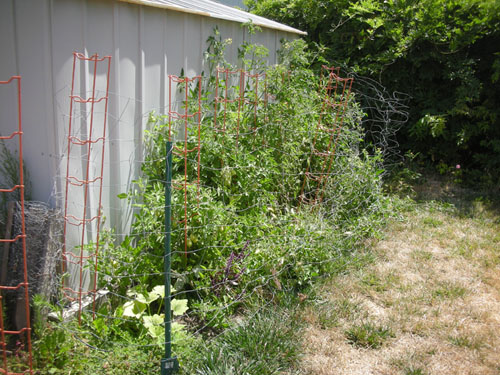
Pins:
x: 37, y: 38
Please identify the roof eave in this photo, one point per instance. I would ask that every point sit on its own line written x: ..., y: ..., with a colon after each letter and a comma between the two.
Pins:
x: 276, y: 26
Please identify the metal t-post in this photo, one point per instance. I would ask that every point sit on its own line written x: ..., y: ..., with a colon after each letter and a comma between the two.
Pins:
x: 169, y: 365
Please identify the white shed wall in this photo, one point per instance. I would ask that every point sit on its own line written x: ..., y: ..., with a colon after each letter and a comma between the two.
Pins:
x: 37, y: 38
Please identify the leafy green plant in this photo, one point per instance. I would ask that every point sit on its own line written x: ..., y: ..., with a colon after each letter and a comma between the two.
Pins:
x: 247, y: 182
x: 139, y: 307
x: 247, y: 236
x: 52, y: 342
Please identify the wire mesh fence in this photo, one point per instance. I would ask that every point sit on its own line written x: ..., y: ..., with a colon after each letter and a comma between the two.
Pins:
x: 272, y: 188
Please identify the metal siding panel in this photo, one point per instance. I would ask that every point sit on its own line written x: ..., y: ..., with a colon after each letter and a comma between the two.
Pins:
x: 271, y: 44
x: 175, y: 42
x: 98, y: 28
x: 8, y: 68
x: 7, y: 40
x: 118, y: 214
x: 192, y: 46
x: 129, y: 112
x: 99, y: 39
x: 50, y: 102
x: 120, y: 128
x: 32, y: 49
x: 176, y: 58
x: 67, y: 25
x: 204, y: 34
x: 267, y: 40
x: 236, y: 33
x: 139, y: 124
x: 152, y: 47
x: 164, y: 72
x: 277, y: 46
x: 259, y: 39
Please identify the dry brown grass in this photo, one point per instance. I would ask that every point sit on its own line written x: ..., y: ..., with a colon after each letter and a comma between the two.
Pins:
x: 435, y: 283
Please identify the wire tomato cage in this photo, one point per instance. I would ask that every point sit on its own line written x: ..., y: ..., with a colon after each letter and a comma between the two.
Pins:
x: 187, y: 123
x: 236, y: 91
x: 21, y: 363
x: 84, y: 174
x: 335, y: 92
x: 239, y: 89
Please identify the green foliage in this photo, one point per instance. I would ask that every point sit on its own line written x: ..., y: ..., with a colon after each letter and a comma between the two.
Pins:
x: 246, y: 186
x: 247, y: 217
x: 139, y: 307
x: 123, y: 343
x: 444, y: 53
x: 265, y: 343
x: 53, y: 349
x: 247, y: 237
x: 59, y: 351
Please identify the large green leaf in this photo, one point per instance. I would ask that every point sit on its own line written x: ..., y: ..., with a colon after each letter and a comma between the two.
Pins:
x: 134, y: 309
x: 154, y: 324
x: 179, y: 306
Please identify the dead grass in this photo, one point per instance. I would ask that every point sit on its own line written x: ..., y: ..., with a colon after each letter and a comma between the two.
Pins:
x: 435, y: 285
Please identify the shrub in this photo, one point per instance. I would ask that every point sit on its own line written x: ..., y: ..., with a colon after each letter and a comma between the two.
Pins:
x: 249, y: 235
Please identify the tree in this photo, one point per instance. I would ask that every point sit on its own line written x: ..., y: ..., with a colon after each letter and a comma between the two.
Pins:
x: 444, y: 53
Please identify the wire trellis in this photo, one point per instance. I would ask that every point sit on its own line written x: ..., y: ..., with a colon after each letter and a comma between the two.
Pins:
x: 235, y: 132
x: 16, y: 280
x: 89, y: 142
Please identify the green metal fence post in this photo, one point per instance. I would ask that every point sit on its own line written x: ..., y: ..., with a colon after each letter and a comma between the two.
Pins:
x: 169, y: 365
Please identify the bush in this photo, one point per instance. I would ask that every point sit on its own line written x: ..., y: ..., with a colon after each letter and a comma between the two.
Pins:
x: 443, y: 53
x: 249, y: 226
x: 257, y: 227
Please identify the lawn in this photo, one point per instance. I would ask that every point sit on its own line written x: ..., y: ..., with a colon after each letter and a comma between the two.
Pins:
x: 428, y: 303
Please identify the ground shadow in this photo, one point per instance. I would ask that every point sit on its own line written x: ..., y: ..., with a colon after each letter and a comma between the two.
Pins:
x: 469, y: 202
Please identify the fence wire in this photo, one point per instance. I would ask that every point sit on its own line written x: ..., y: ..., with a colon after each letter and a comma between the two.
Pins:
x: 273, y: 185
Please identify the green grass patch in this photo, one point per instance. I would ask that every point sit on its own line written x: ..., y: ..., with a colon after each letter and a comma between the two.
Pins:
x: 368, y: 335
x: 380, y: 284
x: 414, y: 371
x: 464, y: 341
x: 466, y: 248
x: 422, y: 255
x: 432, y: 222
x: 265, y: 344
x: 449, y: 290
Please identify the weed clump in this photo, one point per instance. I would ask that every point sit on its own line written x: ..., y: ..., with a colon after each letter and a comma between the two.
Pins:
x: 368, y: 335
